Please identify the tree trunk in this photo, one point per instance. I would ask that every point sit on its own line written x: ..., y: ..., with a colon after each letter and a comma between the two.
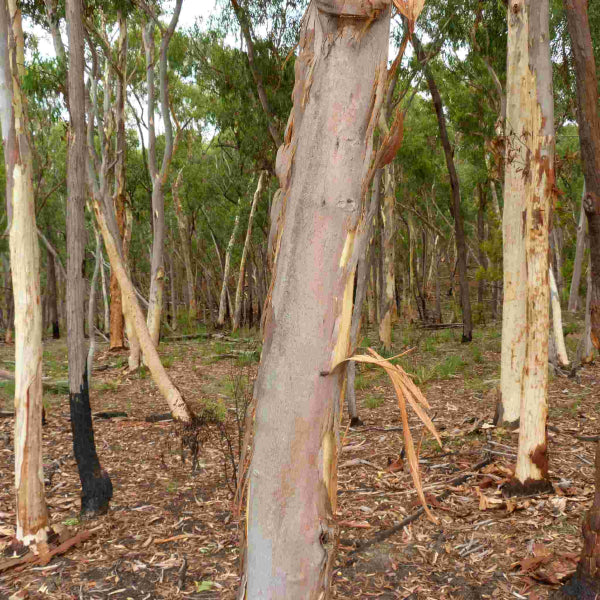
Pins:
x: 588, y: 118
x: 92, y: 305
x: 105, y: 304
x: 389, y: 313
x: 557, y: 328
x: 224, y: 290
x: 530, y: 142
x: 32, y: 513
x: 340, y: 72
x: 240, y: 286
x: 574, y: 299
x: 96, y: 484
x: 117, y: 329
x: 459, y: 228
x: 481, y: 238
x: 185, y: 248
x: 52, y: 297
x: 158, y: 175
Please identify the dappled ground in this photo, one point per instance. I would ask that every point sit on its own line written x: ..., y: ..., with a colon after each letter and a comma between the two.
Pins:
x: 164, y: 513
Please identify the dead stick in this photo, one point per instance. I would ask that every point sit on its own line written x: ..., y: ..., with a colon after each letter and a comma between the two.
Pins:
x: 387, y: 533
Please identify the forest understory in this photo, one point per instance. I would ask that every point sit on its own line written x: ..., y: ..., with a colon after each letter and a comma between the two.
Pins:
x: 172, y: 532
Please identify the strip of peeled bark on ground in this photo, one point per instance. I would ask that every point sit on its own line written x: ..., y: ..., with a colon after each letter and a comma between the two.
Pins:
x: 325, y: 179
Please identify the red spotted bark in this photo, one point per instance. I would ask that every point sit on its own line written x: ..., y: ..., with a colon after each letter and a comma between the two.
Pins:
x: 529, y: 187
x: 325, y: 167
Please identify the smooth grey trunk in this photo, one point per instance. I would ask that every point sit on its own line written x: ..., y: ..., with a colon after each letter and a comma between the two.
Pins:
x: 52, y: 296
x: 105, y: 301
x: 92, y: 306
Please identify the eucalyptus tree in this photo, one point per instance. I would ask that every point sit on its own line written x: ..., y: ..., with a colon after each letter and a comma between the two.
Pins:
x: 31, y: 509
x: 320, y: 222
x: 529, y: 190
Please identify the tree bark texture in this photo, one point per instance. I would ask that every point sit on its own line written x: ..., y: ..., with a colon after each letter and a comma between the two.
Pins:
x: 158, y: 174
x: 185, y: 249
x: 574, y: 299
x: 557, y: 327
x: 226, y: 269
x: 324, y: 168
x: 117, y: 324
x: 459, y: 227
x: 32, y: 513
x: 240, y: 286
x: 52, y: 296
x: 96, y: 484
x: 530, y: 172
x: 588, y: 118
x: 389, y: 313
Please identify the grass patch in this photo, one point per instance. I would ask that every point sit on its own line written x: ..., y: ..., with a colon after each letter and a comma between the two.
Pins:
x: 374, y: 401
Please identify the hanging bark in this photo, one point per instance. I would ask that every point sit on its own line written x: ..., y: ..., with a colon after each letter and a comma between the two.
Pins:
x: 459, y: 228
x: 389, y: 313
x: 96, y: 484
x: 185, y: 248
x: 530, y: 142
x: 158, y: 174
x: 117, y: 329
x: 340, y: 84
x: 240, y: 286
x: 32, y: 513
x: 588, y: 117
x: 574, y: 298
x: 226, y: 268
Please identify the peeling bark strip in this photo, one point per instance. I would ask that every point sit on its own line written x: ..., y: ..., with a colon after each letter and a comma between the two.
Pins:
x: 529, y: 189
x: 588, y: 118
x: 323, y: 168
x: 32, y: 513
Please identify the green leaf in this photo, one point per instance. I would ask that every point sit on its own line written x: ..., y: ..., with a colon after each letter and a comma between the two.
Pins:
x: 203, y: 586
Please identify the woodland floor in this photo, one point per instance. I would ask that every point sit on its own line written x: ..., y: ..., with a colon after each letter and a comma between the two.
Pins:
x: 162, y: 511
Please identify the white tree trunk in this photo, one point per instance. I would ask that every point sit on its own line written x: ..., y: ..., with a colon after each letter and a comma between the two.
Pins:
x: 388, y: 300
x: 532, y: 137
x: 32, y: 513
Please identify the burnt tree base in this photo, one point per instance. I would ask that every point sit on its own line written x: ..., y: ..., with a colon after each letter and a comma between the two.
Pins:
x: 356, y: 422
x: 55, y: 331
x: 499, y: 415
x: 579, y: 587
x: 531, y: 487
x: 96, y: 486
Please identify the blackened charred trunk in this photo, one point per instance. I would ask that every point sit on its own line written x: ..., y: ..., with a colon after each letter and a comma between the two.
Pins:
x: 96, y: 485
x: 459, y: 228
x: 588, y: 119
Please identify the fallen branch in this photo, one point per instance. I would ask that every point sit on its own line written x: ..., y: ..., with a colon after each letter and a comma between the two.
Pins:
x: 387, y: 533
x: 44, y: 558
x: 435, y: 326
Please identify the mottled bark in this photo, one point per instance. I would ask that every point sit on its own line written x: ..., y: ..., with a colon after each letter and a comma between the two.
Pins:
x: 588, y: 117
x: 530, y: 169
x: 455, y: 208
x: 96, y: 484
x: 340, y: 77
x: 32, y: 513
x: 240, y: 285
